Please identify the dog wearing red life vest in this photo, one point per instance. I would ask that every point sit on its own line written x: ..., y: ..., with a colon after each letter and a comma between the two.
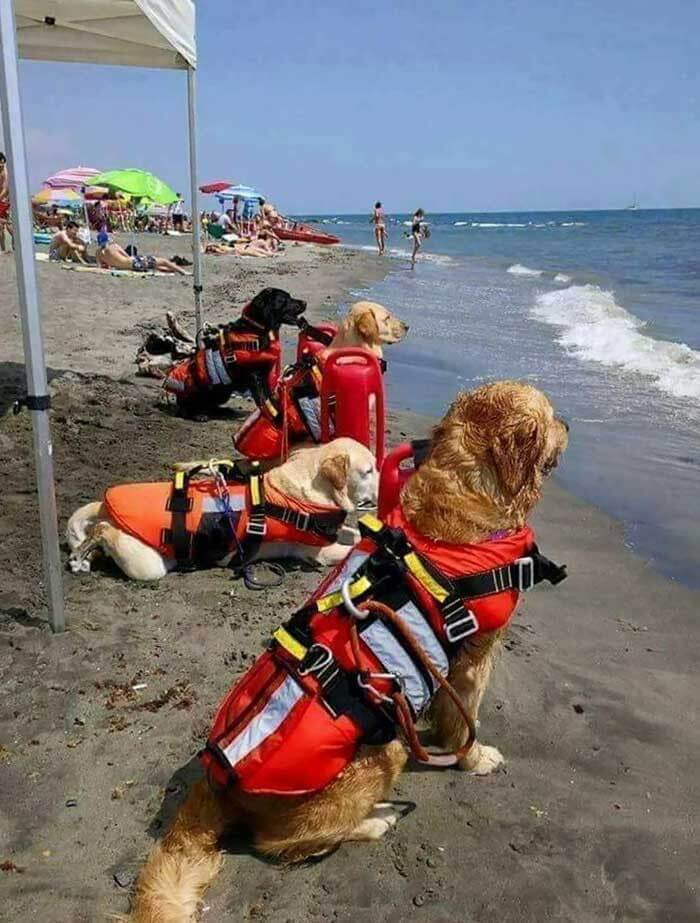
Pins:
x: 481, y: 479
x: 303, y: 506
x: 241, y: 356
x: 292, y: 415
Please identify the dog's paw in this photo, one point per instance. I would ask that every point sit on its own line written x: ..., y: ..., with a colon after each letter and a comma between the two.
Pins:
x: 379, y: 823
x: 79, y: 565
x: 482, y: 760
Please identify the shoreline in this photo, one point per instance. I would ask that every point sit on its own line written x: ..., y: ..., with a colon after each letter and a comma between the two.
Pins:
x: 592, y: 702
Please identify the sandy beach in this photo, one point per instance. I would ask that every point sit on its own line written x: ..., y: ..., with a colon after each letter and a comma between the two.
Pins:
x: 593, y: 704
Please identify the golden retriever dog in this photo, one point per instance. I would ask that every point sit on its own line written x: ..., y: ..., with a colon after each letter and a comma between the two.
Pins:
x: 341, y: 476
x: 483, y: 475
x: 370, y: 326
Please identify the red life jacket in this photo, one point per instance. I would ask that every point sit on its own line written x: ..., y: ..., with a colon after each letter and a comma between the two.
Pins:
x: 199, y: 524
x: 292, y: 414
x: 226, y: 360
x: 294, y: 721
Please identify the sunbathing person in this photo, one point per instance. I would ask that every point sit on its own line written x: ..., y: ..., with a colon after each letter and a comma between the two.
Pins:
x: 112, y: 256
x: 66, y: 245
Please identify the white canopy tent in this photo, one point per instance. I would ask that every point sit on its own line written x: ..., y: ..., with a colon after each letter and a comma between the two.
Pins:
x: 141, y: 33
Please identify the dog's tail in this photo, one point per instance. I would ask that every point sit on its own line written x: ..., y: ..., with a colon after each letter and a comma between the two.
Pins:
x: 181, y: 867
x: 80, y: 522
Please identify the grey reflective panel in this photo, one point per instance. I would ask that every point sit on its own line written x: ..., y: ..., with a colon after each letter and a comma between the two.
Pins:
x: 224, y: 377
x: 214, y: 505
x: 352, y: 562
x: 266, y: 722
x: 425, y: 635
x: 311, y: 409
x: 395, y: 660
x: 211, y: 370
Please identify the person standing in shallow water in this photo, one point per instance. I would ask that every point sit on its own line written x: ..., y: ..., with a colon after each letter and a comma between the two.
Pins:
x: 416, y: 234
x: 379, y: 222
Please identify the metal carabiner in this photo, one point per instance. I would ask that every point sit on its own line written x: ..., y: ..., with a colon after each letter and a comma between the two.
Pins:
x: 370, y: 688
x: 348, y: 603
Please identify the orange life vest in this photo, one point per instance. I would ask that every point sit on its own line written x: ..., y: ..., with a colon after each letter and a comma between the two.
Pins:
x: 294, y: 721
x: 198, y: 523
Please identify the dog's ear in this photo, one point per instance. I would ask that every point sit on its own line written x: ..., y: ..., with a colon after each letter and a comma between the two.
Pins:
x: 517, y: 452
x: 336, y: 469
x: 367, y: 327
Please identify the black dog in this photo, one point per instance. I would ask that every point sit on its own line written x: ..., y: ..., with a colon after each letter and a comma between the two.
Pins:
x: 242, y: 356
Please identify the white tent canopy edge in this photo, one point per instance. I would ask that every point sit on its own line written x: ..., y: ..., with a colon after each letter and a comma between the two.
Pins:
x: 144, y: 33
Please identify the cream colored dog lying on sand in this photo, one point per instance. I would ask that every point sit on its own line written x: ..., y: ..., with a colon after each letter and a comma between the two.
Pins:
x: 201, y: 519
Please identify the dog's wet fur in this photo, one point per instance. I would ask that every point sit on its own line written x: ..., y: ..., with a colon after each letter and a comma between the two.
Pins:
x: 484, y: 473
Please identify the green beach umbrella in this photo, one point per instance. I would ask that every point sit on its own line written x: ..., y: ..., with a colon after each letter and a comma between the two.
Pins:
x: 137, y: 183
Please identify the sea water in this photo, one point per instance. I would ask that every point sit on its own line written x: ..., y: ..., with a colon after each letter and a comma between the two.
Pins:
x: 599, y: 309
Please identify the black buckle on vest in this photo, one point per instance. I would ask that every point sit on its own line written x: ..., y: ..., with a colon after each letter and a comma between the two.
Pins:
x: 460, y: 622
x: 257, y: 524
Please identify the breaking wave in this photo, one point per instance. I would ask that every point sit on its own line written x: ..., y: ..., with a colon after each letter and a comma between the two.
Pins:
x: 517, y: 269
x: 595, y: 327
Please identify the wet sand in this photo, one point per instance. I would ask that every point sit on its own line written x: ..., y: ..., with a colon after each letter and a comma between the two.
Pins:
x: 594, y: 816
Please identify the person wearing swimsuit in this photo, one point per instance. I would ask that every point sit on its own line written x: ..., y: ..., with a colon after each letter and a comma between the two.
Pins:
x: 416, y: 234
x: 5, y: 222
x: 379, y: 227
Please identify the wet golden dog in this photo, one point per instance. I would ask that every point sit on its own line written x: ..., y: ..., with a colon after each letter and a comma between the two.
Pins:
x: 484, y: 473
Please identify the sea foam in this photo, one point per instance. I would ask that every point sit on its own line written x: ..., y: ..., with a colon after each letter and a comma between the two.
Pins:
x: 595, y: 327
x: 517, y: 269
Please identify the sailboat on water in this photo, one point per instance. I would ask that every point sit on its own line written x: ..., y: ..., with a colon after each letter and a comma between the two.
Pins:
x: 634, y: 206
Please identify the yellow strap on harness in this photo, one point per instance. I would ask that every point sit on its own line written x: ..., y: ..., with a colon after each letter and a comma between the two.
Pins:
x: 336, y: 599
x: 372, y: 523
x: 415, y: 565
x: 179, y: 480
x: 412, y: 561
x: 270, y: 407
x: 255, y: 489
x: 290, y: 644
x: 317, y: 374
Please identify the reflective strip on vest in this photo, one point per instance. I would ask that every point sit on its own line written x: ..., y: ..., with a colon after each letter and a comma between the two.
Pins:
x: 215, y: 505
x: 174, y: 384
x: 352, y: 563
x: 311, y: 411
x: 395, y: 660
x: 220, y: 366
x: 425, y: 636
x: 266, y: 722
x: 211, y: 370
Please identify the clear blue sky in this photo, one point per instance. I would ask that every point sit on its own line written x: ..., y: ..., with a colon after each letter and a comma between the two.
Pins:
x: 458, y: 106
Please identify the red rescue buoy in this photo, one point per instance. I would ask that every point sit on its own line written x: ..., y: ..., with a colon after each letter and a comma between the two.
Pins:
x: 352, y: 399
x: 308, y: 342
x: 397, y: 468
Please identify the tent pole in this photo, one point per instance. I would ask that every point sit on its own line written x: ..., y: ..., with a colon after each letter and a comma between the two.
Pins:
x: 37, y: 386
x: 196, y: 226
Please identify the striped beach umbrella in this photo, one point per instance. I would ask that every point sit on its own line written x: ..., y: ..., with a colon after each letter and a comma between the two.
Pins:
x: 49, y: 196
x: 71, y: 178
